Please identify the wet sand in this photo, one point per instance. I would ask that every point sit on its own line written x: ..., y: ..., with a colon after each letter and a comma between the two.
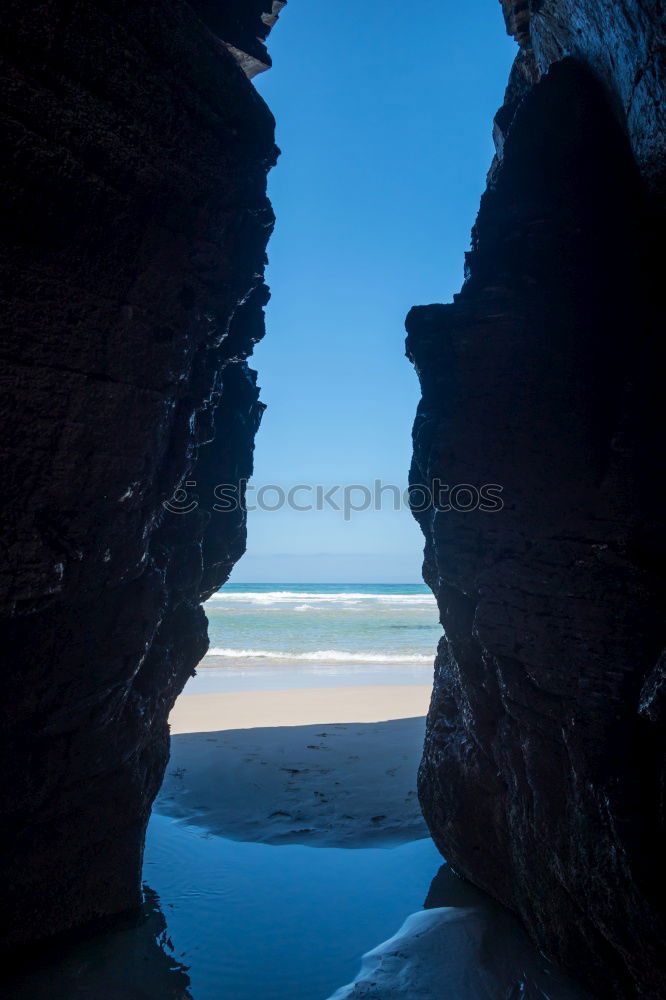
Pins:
x: 321, y: 766
x: 233, y: 915
x: 330, y: 768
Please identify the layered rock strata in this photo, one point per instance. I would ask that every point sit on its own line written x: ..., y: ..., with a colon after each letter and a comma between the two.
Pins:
x: 133, y: 246
x: 542, y: 778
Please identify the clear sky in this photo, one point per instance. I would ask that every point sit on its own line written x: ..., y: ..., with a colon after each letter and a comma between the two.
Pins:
x: 384, y: 115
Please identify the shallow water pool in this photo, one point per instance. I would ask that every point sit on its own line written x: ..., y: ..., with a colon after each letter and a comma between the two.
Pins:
x: 228, y: 920
x: 281, y: 923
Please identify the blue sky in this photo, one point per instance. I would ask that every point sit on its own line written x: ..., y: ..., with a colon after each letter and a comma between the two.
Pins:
x: 384, y: 115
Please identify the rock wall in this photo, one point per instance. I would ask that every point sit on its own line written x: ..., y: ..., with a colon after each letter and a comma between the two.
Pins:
x: 134, y: 230
x: 133, y: 244
x: 542, y: 778
x: 624, y: 43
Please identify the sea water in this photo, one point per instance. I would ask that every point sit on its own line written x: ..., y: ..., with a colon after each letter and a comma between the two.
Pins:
x: 304, y: 635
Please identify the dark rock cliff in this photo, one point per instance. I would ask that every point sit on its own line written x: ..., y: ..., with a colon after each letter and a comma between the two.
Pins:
x: 542, y: 778
x: 134, y: 228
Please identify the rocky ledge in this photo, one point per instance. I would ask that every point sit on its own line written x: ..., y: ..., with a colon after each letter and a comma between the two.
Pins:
x: 542, y: 778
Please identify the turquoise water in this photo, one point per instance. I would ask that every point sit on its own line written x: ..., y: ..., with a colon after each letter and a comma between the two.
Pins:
x: 281, y: 635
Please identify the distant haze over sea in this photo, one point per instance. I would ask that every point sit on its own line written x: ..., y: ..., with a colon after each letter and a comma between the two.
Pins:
x: 331, y: 567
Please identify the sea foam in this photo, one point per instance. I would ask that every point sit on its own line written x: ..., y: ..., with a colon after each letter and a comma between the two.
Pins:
x: 329, y: 655
x: 289, y: 596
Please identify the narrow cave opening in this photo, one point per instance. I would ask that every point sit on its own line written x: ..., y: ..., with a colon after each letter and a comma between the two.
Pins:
x: 304, y: 725
x: 285, y: 692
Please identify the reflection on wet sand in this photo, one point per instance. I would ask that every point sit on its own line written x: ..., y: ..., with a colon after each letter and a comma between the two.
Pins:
x: 131, y: 959
x: 245, y: 920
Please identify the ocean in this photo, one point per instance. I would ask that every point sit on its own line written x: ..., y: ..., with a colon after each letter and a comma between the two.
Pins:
x: 303, y: 635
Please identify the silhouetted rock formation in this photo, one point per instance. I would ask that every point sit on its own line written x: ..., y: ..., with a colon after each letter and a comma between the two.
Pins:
x: 244, y: 26
x: 135, y: 222
x: 543, y: 771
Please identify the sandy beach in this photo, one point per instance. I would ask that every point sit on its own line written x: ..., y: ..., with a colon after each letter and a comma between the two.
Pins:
x: 320, y: 766
x: 336, y: 767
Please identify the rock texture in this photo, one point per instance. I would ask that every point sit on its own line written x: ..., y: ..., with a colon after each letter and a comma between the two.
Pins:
x: 133, y: 245
x: 542, y: 778
x: 624, y: 43
x: 244, y: 25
